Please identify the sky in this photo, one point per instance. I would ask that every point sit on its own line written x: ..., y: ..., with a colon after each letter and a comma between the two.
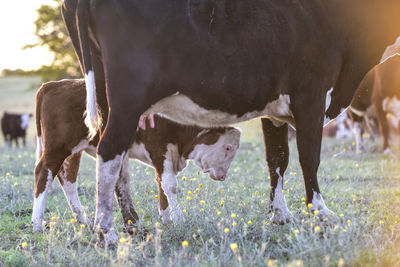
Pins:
x: 17, y: 30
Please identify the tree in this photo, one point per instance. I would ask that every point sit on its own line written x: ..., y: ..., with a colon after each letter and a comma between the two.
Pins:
x: 52, y: 33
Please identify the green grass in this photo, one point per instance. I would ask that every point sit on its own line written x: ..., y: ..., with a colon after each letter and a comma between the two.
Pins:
x: 363, y: 191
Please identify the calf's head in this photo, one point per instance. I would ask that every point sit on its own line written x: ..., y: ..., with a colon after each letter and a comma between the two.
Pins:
x: 215, y: 149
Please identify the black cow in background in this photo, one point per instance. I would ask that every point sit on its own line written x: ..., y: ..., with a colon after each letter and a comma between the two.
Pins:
x: 14, y: 126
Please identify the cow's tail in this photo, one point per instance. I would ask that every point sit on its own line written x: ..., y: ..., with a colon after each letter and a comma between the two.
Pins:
x: 92, y: 116
x: 38, y: 105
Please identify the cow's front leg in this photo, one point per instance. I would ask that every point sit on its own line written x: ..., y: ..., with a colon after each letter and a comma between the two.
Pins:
x: 309, y: 122
x: 169, y: 186
x: 117, y: 138
x: 124, y: 199
x: 277, y: 155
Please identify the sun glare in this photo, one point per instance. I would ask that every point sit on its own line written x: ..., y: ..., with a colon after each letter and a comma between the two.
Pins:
x: 17, y: 29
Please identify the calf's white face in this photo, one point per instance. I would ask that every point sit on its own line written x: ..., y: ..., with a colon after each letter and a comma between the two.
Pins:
x: 215, y: 159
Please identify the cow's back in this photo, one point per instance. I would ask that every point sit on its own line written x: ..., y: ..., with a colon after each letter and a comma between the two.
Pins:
x: 61, y: 113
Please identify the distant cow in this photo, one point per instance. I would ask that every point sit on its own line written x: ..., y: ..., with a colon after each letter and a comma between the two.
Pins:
x: 62, y: 136
x: 14, y: 126
x: 379, y: 96
x: 218, y: 62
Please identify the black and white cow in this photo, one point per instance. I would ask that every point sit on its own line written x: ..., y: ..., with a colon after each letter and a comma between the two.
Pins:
x: 14, y: 126
x: 219, y: 62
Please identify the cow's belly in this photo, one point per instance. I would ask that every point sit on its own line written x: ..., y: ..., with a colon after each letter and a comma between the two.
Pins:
x: 182, y: 109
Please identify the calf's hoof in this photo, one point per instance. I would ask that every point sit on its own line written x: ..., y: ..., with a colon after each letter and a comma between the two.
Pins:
x: 281, y: 216
x: 165, y: 216
x: 177, y: 217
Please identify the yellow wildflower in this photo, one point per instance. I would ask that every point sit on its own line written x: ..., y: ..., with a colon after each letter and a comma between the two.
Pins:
x: 185, y: 243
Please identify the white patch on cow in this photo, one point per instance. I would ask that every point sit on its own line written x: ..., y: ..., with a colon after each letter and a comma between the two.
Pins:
x: 92, y: 118
x: 319, y: 204
x: 139, y: 152
x: 39, y: 149
x: 212, y: 158
x: 165, y: 216
x: 281, y: 211
x: 169, y: 185
x: 326, y: 120
x: 182, y: 109
x: 82, y: 145
x: 38, y: 205
x: 24, y: 121
x: 328, y: 99
x: 358, y: 136
x: 107, y: 175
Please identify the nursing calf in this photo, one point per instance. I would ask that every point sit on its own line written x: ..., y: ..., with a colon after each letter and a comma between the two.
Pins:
x: 62, y: 136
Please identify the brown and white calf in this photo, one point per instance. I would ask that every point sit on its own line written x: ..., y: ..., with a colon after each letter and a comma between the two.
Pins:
x: 379, y: 96
x: 62, y: 136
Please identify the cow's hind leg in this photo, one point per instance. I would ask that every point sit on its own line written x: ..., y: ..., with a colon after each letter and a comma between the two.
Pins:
x: 124, y: 199
x: 117, y: 138
x: 309, y: 122
x: 45, y: 171
x: 277, y: 156
x: 68, y: 176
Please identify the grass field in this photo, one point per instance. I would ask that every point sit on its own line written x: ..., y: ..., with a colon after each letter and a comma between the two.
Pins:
x: 230, y: 228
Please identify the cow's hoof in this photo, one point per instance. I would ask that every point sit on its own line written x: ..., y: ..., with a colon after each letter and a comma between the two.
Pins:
x: 107, y: 239
x: 37, y: 226
x: 281, y: 217
x: 177, y: 217
x: 386, y: 151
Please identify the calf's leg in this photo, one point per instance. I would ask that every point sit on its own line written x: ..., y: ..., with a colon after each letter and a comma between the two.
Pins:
x: 277, y: 156
x: 45, y: 171
x: 68, y: 176
x: 163, y: 208
x: 169, y: 185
